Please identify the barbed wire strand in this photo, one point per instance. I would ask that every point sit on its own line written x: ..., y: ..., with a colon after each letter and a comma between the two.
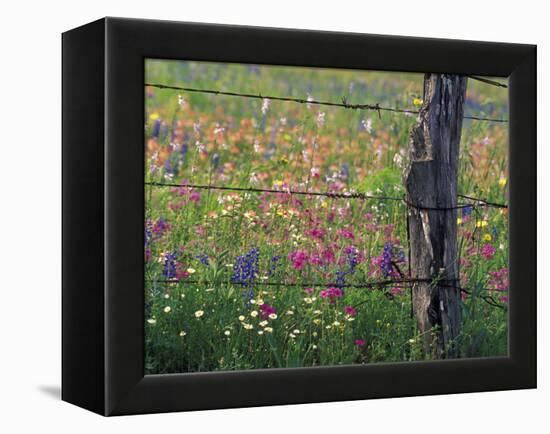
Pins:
x: 408, y: 282
x: 362, y: 196
x: 488, y: 81
x: 344, y: 104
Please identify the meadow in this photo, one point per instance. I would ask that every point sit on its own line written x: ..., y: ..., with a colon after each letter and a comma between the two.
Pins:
x: 260, y: 272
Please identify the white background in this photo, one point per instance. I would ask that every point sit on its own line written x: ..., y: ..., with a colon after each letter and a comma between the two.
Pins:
x: 30, y: 215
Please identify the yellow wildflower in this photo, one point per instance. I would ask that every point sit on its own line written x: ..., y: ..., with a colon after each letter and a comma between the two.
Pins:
x: 502, y: 182
x: 418, y: 102
x: 487, y: 237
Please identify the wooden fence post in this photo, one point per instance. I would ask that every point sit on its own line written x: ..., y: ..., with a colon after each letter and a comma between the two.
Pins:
x: 431, y: 182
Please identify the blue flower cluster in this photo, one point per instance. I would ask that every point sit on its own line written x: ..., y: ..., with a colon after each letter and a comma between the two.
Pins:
x: 203, y: 258
x: 171, y: 167
x: 246, y: 267
x: 156, y: 129
x: 467, y: 210
x: 169, y: 270
x: 352, y: 260
x: 274, y: 263
x: 391, y: 255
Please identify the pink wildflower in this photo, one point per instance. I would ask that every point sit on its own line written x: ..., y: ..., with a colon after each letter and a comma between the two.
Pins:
x: 396, y: 291
x: 266, y: 310
x: 195, y: 196
x: 332, y: 294
x: 346, y: 233
x: 298, y: 259
x: 317, y: 233
x: 349, y: 310
x: 359, y: 342
x: 181, y: 274
x: 315, y: 172
x: 328, y: 256
x: 488, y: 251
x: 499, y: 279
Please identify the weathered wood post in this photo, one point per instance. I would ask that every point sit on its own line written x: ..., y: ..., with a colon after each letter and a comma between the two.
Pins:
x: 431, y: 184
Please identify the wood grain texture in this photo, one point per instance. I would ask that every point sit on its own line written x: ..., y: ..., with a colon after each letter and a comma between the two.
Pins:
x: 431, y: 181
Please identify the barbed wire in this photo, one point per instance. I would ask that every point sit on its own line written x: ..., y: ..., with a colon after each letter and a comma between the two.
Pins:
x: 344, y: 104
x: 488, y: 81
x: 330, y: 195
x: 402, y: 283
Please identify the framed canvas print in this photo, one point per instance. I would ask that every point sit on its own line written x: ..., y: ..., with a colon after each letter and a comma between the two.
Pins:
x: 257, y: 216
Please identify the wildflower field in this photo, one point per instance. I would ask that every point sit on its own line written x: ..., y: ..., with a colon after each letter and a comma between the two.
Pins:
x: 255, y: 257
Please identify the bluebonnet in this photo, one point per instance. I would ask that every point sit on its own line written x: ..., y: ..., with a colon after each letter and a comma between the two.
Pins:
x: 185, y: 145
x: 184, y: 149
x: 156, y: 129
x: 389, y: 257
x: 352, y: 259
x: 169, y: 270
x: 246, y: 268
x: 203, y: 258
x: 274, y: 263
x: 340, y: 278
x: 386, y: 265
x: 171, y: 168
x: 467, y: 210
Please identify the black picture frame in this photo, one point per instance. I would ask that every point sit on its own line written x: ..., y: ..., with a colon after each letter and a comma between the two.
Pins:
x: 103, y: 216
